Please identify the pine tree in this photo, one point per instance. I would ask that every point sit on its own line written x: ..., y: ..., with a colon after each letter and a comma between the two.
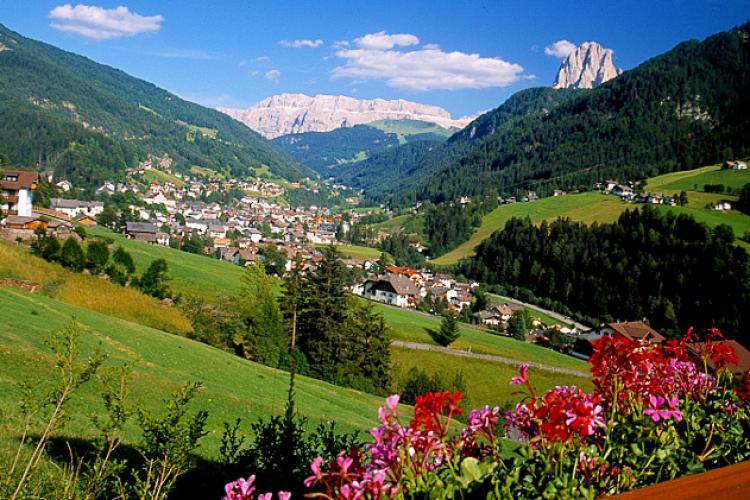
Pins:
x: 263, y: 339
x: 448, y: 332
x: 323, y: 320
x: 97, y: 256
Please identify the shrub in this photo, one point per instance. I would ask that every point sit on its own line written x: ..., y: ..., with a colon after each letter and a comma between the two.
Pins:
x: 72, y: 256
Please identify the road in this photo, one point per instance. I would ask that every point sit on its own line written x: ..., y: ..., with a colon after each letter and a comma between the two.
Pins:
x: 551, y: 314
x: 485, y: 357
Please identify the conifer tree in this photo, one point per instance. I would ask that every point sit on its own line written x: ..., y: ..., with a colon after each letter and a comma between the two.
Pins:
x: 448, y: 331
x: 263, y: 339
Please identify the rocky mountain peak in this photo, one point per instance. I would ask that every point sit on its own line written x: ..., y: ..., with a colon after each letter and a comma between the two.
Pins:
x: 588, y: 66
x: 295, y: 113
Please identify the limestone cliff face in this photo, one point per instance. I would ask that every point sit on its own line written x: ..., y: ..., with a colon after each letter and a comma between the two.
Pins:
x: 295, y: 113
x: 587, y: 67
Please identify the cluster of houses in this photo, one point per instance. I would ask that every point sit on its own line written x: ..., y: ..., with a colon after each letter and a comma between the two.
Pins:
x: 405, y: 287
x: 627, y: 192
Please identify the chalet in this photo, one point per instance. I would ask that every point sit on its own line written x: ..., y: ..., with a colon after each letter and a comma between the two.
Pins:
x: 622, y: 190
x: 633, y: 330
x: 64, y: 186
x: 142, y: 231
x: 734, y: 165
x: 72, y: 208
x: 491, y: 318
x: 85, y: 220
x: 392, y: 289
x: 16, y: 187
x: 723, y: 206
x: 415, y: 276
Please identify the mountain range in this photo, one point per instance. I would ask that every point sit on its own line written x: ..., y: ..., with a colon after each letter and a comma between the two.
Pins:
x: 296, y: 113
x: 89, y: 122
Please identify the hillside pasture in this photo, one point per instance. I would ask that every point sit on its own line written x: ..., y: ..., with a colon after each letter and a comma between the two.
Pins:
x: 232, y: 387
x: 584, y: 207
x: 90, y: 292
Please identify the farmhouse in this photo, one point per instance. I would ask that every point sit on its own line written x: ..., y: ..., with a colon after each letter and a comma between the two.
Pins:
x: 16, y: 188
x: 72, y: 208
x: 392, y: 289
x: 141, y: 231
x: 634, y: 330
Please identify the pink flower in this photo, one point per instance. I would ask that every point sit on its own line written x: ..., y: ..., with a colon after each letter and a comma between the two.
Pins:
x: 284, y: 495
x: 657, y: 414
x: 240, y: 489
x: 521, y: 378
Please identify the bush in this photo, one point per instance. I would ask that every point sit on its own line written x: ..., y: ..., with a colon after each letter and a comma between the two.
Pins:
x: 72, y: 255
x: 97, y: 256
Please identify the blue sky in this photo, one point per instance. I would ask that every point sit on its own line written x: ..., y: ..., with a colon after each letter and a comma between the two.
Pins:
x: 466, y: 56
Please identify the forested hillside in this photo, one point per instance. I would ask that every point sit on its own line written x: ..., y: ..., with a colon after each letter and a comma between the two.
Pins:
x: 393, y: 173
x: 686, y: 108
x: 321, y: 151
x: 670, y: 269
x: 89, y: 121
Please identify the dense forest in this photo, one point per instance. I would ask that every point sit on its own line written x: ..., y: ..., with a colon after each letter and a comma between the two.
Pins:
x: 682, y: 109
x: 669, y: 269
x: 397, y: 170
x: 88, y: 121
x: 322, y: 150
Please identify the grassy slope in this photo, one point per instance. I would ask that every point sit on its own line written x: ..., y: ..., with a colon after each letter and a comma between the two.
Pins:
x: 590, y: 207
x: 585, y: 207
x: 487, y: 383
x: 194, y: 274
x: 161, y: 362
x: 90, y: 292
x: 412, y: 327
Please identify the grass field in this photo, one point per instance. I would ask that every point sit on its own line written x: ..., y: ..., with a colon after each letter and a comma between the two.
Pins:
x: 487, y: 383
x: 590, y: 207
x: 412, y: 327
x: 694, y: 180
x: 190, y: 273
x: 90, y: 292
x: 233, y: 387
x: 151, y: 175
x: 355, y: 251
x: 585, y: 207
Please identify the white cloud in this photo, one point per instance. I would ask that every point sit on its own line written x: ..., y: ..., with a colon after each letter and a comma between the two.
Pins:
x: 560, y: 48
x: 272, y: 75
x: 98, y: 23
x: 431, y: 46
x: 428, y: 68
x: 384, y: 41
x: 298, y: 44
x: 340, y: 44
x: 262, y: 58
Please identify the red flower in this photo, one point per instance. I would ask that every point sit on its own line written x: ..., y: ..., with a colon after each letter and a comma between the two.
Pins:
x: 434, y: 410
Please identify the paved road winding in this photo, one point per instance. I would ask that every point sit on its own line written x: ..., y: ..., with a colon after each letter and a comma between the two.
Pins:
x: 485, y: 357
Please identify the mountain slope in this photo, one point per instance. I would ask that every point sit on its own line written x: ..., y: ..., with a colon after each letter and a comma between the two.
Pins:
x: 686, y: 108
x: 396, y: 171
x: 89, y: 121
x: 321, y: 151
x: 296, y: 113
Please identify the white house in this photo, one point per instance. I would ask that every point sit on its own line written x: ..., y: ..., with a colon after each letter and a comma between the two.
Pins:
x: 393, y: 289
x: 16, y: 186
x: 72, y: 208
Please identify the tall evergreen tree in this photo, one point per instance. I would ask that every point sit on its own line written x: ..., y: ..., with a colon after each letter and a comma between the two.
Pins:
x: 448, y: 331
x: 263, y: 339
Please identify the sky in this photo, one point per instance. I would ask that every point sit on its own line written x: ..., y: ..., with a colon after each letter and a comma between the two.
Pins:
x: 466, y: 56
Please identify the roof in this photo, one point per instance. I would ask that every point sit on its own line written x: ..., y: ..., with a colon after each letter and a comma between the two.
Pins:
x: 637, y: 330
x: 18, y: 179
x: 140, y: 227
x: 18, y: 220
x: 400, y: 284
x: 63, y: 203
